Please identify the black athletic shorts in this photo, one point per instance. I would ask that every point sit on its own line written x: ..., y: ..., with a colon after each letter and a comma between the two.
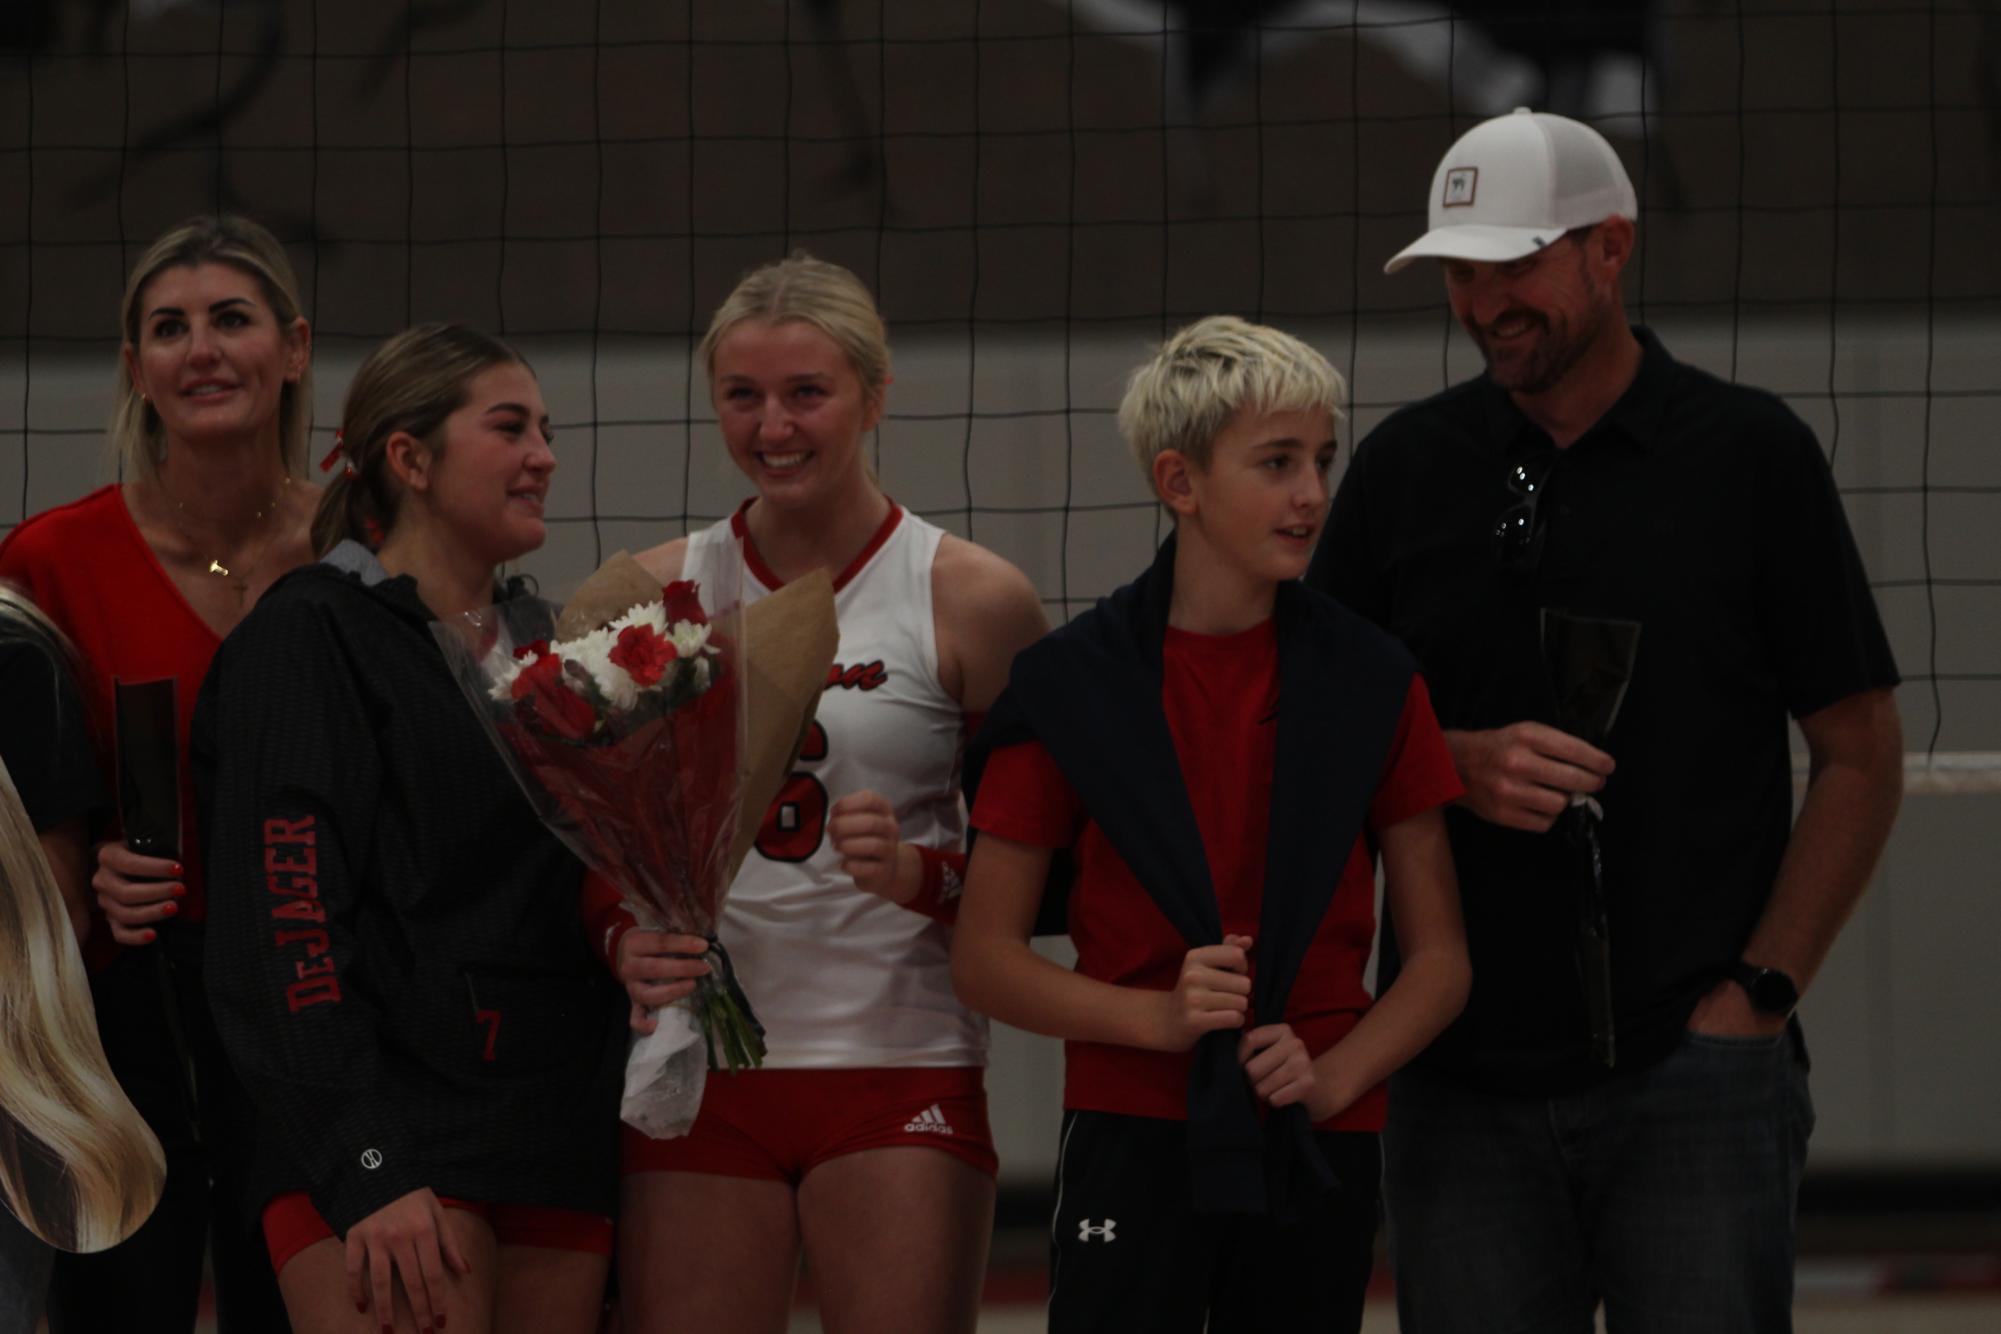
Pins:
x: 1127, y: 1254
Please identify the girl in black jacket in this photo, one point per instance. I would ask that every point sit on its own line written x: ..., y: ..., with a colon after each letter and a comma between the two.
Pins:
x: 397, y: 963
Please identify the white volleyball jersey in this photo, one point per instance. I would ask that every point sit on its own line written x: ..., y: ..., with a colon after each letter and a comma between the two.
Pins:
x: 839, y: 977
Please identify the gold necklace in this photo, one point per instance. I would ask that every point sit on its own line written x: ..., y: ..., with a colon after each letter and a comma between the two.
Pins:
x: 241, y: 583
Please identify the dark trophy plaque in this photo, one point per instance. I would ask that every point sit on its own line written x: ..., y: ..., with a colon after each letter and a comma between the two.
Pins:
x: 1590, y: 662
x: 149, y: 811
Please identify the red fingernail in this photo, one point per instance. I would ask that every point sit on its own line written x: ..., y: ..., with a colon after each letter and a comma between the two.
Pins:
x: 178, y: 871
x: 180, y: 891
x: 170, y: 907
x: 149, y: 937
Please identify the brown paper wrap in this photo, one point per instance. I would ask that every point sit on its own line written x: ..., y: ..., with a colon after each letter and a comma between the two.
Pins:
x: 789, y: 643
x: 619, y: 585
x: 789, y: 640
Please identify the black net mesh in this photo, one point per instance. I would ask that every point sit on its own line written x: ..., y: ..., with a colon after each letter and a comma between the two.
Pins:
x: 1036, y: 190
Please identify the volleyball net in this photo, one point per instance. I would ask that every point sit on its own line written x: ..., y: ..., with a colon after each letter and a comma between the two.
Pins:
x: 1038, y: 191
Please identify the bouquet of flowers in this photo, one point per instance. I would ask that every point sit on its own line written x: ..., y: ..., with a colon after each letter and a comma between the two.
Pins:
x: 623, y: 723
x: 626, y: 718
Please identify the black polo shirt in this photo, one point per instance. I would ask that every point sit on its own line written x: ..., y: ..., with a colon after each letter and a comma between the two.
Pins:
x: 1705, y: 511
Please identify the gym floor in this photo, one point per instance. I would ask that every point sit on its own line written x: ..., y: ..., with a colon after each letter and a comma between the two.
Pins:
x: 1890, y: 1273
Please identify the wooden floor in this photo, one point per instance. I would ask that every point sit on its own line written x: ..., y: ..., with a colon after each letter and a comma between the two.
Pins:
x: 1916, y: 1313
x: 1948, y: 1281
x: 1892, y: 1315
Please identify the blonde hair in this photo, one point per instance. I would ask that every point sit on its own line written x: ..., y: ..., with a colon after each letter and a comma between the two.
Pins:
x: 412, y: 383
x: 97, y: 1168
x: 1210, y: 371
x: 243, y: 245
x: 800, y: 289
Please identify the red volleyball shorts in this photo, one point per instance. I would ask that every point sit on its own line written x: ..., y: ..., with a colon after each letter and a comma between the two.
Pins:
x: 778, y: 1125
x: 291, y: 1224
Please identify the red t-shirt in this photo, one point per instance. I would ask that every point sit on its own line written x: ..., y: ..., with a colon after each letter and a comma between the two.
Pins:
x: 1220, y: 694
x: 86, y: 565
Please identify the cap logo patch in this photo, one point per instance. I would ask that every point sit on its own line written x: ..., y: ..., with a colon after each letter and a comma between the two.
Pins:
x: 1459, y: 186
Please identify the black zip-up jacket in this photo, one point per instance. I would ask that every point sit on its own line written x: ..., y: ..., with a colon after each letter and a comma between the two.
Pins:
x: 396, y: 958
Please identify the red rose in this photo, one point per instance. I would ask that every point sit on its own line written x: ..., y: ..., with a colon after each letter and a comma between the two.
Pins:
x: 560, y: 709
x: 642, y: 653
x: 683, y: 602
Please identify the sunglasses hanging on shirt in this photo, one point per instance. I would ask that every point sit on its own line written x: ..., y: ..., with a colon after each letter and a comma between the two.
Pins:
x: 1518, y: 532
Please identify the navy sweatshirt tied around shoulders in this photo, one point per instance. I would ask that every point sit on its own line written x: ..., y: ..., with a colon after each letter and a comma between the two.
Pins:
x: 1090, y: 693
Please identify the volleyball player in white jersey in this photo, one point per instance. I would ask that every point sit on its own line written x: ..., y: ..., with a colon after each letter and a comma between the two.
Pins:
x: 863, y: 1142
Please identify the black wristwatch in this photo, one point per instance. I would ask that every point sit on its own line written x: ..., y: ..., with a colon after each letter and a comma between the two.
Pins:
x: 1770, y: 990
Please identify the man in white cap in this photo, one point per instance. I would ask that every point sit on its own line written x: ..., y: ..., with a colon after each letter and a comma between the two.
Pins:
x: 1621, y: 1114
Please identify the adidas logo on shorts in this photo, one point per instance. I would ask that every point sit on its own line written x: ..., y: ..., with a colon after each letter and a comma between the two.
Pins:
x: 930, y: 1121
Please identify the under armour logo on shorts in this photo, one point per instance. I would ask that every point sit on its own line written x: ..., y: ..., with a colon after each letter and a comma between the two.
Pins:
x: 1103, y: 1232
x: 371, y: 1158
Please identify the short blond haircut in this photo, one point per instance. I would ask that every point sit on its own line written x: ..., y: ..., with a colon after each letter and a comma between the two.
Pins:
x: 245, y: 246
x: 1210, y: 371
x: 800, y: 289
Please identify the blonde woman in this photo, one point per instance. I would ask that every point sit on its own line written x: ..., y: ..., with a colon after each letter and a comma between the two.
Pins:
x: 78, y: 1168
x: 145, y: 577
x: 863, y: 1143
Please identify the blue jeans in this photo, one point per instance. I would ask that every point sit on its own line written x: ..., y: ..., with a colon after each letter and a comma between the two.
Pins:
x: 1668, y: 1194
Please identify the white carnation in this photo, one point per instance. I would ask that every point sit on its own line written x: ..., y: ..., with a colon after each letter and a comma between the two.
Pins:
x: 593, y: 653
x: 501, y: 668
x: 653, y: 615
x: 690, y: 638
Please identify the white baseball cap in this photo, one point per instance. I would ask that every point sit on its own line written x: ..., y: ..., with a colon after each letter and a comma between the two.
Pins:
x: 1513, y: 184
